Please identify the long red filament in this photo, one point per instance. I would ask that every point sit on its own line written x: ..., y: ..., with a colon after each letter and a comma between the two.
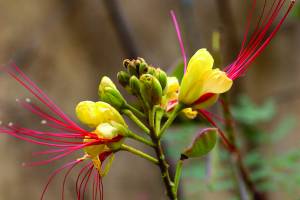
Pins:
x: 259, y: 39
x: 179, y: 37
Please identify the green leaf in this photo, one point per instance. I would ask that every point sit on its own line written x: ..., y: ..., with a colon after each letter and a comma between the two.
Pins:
x: 203, y: 143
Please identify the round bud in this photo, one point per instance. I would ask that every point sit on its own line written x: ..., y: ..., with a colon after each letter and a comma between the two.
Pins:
x: 150, y: 89
x: 123, y: 78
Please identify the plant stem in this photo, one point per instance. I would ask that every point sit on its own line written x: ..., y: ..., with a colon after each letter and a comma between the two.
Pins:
x: 171, y: 118
x: 164, y: 167
x: 139, y: 138
x: 178, y: 174
x: 135, y: 110
x: 130, y: 149
x: 236, y: 157
x: 162, y: 163
x: 136, y: 120
x: 158, y: 117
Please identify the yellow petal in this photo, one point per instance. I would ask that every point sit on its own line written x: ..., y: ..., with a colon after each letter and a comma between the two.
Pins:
x: 93, y: 114
x: 216, y: 81
x: 191, y: 85
x: 172, y: 85
x: 94, y: 150
x: 209, y: 102
x: 190, y: 113
x: 109, y: 113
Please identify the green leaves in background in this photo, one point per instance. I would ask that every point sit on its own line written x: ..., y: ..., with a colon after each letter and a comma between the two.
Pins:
x: 249, y: 113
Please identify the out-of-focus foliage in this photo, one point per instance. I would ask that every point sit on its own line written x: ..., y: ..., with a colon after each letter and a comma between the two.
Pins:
x: 296, y: 11
x: 271, y: 171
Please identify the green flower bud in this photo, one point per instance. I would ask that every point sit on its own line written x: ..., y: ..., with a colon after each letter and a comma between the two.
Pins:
x: 109, y: 93
x: 161, y: 77
x: 151, y: 90
x: 123, y: 78
x: 134, y: 84
x: 142, y: 66
x: 131, y: 67
x: 151, y: 70
x: 126, y: 63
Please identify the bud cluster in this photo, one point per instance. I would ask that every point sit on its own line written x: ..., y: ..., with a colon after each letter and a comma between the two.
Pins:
x: 144, y: 81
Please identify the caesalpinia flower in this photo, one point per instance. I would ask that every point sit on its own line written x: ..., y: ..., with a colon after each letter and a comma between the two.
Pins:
x: 201, y: 84
x: 201, y: 79
x: 67, y: 137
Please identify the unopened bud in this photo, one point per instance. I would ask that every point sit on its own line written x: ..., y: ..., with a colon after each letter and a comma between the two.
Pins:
x: 126, y: 63
x: 151, y: 90
x: 109, y: 93
x: 151, y: 70
x: 113, y: 97
x: 123, y: 78
x: 132, y: 69
x: 134, y: 84
x: 161, y: 77
x: 142, y: 66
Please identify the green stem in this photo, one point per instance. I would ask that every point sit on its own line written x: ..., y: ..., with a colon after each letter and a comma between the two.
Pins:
x: 135, y: 110
x: 136, y: 120
x: 152, y: 116
x: 130, y: 149
x: 178, y: 174
x: 158, y: 117
x: 162, y: 163
x: 164, y: 167
x: 139, y: 138
x: 171, y: 118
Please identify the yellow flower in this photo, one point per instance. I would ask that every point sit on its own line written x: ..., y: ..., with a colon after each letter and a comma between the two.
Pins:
x: 94, y: 113
x: 100, y: 115
x: 201, y: 79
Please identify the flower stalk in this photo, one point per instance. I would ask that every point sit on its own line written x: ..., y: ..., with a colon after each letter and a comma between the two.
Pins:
x: 171, y: 118
x: 139, y: 153
x: 136, y: 120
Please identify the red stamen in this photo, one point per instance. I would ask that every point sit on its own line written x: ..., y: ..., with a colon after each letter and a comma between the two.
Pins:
x: 65, y: 178
x: 79, y: 176
x: 259, y: 39
x: 179, y: 39
x: 55, y: 173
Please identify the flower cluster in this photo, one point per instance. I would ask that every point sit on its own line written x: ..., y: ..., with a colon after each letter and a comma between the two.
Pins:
x: 159, y: 98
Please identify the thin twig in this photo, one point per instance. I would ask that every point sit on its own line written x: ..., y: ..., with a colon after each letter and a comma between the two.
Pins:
x: 122, y: 29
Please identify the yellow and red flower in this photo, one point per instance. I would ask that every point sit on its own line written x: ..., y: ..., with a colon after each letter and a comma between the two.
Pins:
x: 66, y: 137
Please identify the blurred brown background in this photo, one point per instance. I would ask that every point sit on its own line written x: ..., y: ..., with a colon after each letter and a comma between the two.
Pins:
x: 67, y: 45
